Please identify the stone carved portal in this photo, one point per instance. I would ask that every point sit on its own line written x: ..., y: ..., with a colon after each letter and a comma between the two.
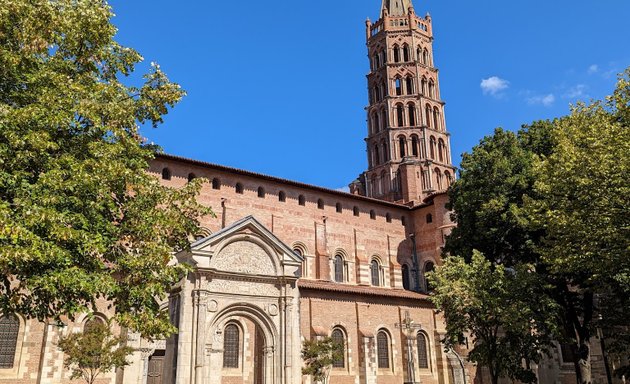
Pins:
x: 244, y: 276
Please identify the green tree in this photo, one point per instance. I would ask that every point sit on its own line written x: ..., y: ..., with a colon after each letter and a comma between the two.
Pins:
x: 582, y: 202
x: 80, y: 218
x: 488, y: 197
x: 318, y: 356
x: 504, y: 310
x: 94, y: 351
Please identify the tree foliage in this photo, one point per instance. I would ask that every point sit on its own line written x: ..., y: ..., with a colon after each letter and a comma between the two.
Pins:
x: 94, y: 351
x: 555, y: 196
x: 318, y: 356
x: 504, y: 310
x: 80, y: 218
x: 582, y: 202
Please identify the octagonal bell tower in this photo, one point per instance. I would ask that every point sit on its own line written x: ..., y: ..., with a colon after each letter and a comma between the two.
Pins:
x: 408, y: 146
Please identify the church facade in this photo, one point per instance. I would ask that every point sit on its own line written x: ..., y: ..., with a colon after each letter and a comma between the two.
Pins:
x: 283, y: 262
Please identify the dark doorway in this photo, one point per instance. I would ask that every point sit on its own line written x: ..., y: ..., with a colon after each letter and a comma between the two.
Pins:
x: 156, y: 363
x: 259, y: 358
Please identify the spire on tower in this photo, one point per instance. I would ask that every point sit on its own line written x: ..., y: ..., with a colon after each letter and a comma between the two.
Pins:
x: 397, y: 7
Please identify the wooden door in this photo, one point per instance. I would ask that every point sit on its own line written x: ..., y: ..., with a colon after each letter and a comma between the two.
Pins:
x: 156, y: 364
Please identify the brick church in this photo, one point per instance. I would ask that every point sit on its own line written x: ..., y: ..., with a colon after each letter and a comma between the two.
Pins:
x: 284, y: 261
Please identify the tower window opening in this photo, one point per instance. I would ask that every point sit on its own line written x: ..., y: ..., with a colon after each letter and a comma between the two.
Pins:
x: 412, y: 114
x: 432, y: 147
x: 396, y: 54
x: 385, y: 152
x: 409, y: 81
x: 401, y: 146
x: 377, y: 157
x: 404, y: 271
x: 400, y: 115
x: 425, y: 57
x: 428, y: 115
x: 423, y: 83
x: 398, y: 84
x: 429, y: 218
x: 441, y: 150
x: 436, y: 118
x: 261, y: 192
x: 405, y: 53
x: 431, y: 89
x: 414, y: 146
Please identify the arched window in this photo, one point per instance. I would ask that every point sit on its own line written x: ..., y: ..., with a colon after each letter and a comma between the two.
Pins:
x: 409, y: 85
x: 338, y: 338
x: 432, y: 147
x: 231, y: 346
x: 441, y: 150
x: 338, y: 208
x: 282, y: 197
x: 216, y: 184
x: 320, y: 204
x: 436, y: 118
x: 377, y: 61
x: 166, y: 174
x: 261, y: 192
x: 423, y: 353
x: 355, y: 211
x: 400, y: 115
x: 191, y: 177
x: 414, y: 146
x: 375, y: 273
x: 428, y: 267
x: 396, y: 54
x: 398, y: 85
x: 418, y: 53
x: 376, y: 122
x: 339, y: 269
x: 404, y: 270
x: 429, y: 218
x: 384, y: 183
x: 372, y: 214
x: 438, y: 178
x: 412, y: 114
x: 431, y: 89
x: 382, y: 349
x: 377, y: 93
x: 9, y: 331
x: 424, y: 85
x: 301, y: 200
x: 402, y: 143
x: 448, y: 177
x: 383, y: 119
x: 425, y: 57
x: 427, y: 113
x: 377, y: 157
x: 385, y: 151
x: 405, y: 53
x: 239, y: 188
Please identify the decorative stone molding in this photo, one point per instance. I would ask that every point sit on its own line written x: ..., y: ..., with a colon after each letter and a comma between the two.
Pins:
x: 244, y: 257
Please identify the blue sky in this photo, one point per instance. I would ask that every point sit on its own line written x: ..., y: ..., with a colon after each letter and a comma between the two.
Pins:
x: 279, y: 87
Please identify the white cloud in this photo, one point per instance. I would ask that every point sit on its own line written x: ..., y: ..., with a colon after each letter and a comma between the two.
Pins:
x: 576, y: 92
x: 343, y: 189
x: 593, y: 69
x: 545, y: 100
x: 494, y: 85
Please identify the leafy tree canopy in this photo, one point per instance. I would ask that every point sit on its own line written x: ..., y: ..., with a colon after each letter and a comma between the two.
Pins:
x: 94, y: 351
x: 504, y: 310
x: 318, y: 356
x: 80, y: 218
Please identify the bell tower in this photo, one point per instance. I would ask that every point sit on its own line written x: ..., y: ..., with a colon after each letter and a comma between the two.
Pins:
x: 408, y: 147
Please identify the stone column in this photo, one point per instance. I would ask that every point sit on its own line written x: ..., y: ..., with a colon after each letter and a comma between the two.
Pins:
x: 145, y: 354
x: 200, y: 301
